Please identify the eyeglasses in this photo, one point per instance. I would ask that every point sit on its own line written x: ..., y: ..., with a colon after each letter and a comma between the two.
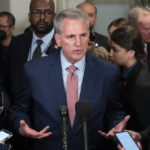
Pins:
x: 4, y: 27
x: 38, y: 13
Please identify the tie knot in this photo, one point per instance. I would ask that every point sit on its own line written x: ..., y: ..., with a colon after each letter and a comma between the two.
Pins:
x: 72, y: 68
x: 39, y: 42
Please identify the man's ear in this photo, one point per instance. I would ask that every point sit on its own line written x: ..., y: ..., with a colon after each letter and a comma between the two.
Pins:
x: 57, y: 38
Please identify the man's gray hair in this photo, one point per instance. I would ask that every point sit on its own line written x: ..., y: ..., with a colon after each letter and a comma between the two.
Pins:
x: 136, y: 12
x: 71, y: 13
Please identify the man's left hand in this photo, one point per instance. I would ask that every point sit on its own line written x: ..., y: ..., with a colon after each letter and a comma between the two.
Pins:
x: 118, y: 128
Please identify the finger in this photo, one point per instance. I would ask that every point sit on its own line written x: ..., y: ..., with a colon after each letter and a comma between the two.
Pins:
x: 22, y: 123
x: 120, y: 147
x: 45, y: 129
x: 125, y: 120
x: 103, y: 134
x: 43, y: 135
x: 139, y: 145
x: 123, y: 123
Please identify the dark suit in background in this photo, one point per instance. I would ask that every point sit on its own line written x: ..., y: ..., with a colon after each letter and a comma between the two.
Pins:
x: 18, y: 55
x: 101, y: 40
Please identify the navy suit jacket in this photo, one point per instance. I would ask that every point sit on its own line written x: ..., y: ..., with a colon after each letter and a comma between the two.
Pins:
x: 43, y: 93
x: 18, y: 55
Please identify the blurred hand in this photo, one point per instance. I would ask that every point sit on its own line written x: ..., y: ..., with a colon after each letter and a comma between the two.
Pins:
x: 25, y: 130
x: 135, y: 135
x: 118, y: 128
x: 1, y: 109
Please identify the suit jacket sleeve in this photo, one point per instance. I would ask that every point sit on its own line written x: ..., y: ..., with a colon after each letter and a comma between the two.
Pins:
x: 20, y: 110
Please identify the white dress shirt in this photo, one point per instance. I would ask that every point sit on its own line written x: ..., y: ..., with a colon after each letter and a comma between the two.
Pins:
x: 79, y: 72
x: 44, y: 46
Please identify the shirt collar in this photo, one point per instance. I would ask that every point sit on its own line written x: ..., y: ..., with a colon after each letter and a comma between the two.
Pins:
x: 65, y: 63
x: 127, y: 72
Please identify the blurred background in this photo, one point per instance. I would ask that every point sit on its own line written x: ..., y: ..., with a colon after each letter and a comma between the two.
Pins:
x: 108, y: 10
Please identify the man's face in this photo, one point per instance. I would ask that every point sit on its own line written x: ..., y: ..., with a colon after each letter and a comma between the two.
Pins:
x: 41, y: 16
x: 5, y: 26
x: 143, y: 27
x: 90, y: 11
x: 73, y: 39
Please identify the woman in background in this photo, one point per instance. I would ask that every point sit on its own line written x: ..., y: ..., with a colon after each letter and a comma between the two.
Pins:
x: 127, y: 52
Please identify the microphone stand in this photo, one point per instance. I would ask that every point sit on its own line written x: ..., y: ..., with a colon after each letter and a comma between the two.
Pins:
x: 64, y: 113
x: 64, y: 133
x: 85, y: 135
x: 83, y: 112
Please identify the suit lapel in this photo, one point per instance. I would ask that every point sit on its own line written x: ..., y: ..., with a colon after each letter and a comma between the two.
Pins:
x: 89, y: 78
x: 55, y: 73
x: 27, y: 46
x: 87, y: 83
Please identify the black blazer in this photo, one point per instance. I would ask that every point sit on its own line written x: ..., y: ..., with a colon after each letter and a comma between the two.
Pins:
x: 135, y: 96
x: 101, y: 40
x: 18, y: 55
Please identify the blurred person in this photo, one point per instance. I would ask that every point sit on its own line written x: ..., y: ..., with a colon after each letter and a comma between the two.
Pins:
x: 91, y: 11
x: 98, y: 51
x: 7, y: 27
x: 7, y: 24
x: 46, y: 87
x: 37, y: 43
x: 116, y: 24
x: 127, y: 51
x: 140, y: 19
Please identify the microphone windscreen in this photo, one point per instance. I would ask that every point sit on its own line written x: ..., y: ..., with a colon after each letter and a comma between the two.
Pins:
x: 83, y: 110
x: 2, y: 35
x: 63, y: 110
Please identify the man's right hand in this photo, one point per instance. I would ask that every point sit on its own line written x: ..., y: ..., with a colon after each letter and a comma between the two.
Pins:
x: 25, y: 130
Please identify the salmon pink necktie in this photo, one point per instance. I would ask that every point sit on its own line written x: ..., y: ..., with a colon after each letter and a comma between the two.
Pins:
x: 72, y: 93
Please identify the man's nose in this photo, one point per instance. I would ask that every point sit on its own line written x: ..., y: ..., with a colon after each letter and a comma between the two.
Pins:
x: 42, y: 15
x: 78, y: 41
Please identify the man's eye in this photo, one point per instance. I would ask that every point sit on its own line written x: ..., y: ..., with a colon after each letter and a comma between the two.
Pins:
x: 71, y: 36
x: 84, y: 35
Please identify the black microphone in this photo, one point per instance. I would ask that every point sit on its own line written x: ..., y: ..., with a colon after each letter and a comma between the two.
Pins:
x: 83, y: 112
x: 64, y: 112
x: 2, y: 35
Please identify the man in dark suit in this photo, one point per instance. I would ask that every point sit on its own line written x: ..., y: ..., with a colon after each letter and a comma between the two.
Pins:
x: 45, y: 89
x: 91, y: 11
x: 41, y: 15
x: 140, y: 19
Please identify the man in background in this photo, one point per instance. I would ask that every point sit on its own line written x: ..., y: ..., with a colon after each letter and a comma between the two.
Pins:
x: 140, y: 19
x: 7, y: 27
x: 91, y: 11
x: 37, y: 43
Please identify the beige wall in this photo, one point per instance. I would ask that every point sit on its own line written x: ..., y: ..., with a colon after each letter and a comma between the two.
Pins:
x: 106, y: 11
x: 20, y: 9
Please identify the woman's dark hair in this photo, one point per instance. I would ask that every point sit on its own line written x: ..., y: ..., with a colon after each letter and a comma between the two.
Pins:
x: 119, y: 22
x: 127, y: 37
